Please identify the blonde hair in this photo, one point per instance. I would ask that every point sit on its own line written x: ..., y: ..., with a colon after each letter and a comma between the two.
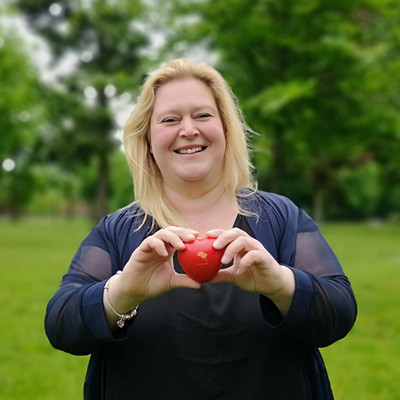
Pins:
x: 147, y: 178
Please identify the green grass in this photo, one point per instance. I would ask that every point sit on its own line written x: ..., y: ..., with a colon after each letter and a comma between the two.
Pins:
x: 35, y: 253
x: 365, y: 365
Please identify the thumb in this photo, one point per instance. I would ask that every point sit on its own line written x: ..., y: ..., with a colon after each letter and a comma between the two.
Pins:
x: 184, y: 281
x: 223, y: 275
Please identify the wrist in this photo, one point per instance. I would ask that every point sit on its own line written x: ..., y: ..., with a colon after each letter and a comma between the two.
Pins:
x: 116, y: 311
x: 283, y: 297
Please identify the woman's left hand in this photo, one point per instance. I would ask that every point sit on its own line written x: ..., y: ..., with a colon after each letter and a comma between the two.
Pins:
x: 253, y: 269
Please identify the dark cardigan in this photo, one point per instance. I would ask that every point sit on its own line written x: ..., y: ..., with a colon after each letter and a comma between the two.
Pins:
x: 218, y: 342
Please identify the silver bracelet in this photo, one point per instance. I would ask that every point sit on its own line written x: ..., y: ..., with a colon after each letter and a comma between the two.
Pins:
x: 122, y: 317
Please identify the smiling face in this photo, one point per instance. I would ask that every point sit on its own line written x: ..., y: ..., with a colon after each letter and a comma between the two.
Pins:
x: 186, y: 134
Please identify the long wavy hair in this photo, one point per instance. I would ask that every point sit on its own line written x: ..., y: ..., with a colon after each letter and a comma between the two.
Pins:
x: 147, y: 178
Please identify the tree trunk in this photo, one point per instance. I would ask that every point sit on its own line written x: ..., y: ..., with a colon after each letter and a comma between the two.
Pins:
x: 319, y: 205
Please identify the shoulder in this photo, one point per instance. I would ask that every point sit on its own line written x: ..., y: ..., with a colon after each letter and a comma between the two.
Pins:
x: 267, y: 204
x: 273, y: 221
x: 129, y: 222
x: 281, y: 211
x: 130, y: 214
x: 275, y: 200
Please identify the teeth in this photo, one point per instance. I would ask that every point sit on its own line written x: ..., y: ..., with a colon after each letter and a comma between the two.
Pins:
x: 190, y: 151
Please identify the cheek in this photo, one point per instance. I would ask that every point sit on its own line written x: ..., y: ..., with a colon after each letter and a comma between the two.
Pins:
x: 155, y: 140
x: 150, y: 138
x: 220, y: 137
x: 159, y: 142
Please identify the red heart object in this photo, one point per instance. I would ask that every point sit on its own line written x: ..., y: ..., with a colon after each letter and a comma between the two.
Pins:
x: 200, y: 260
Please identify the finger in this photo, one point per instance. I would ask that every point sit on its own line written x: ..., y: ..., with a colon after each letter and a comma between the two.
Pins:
x: 223, y: 275
x: 175, y: 238
x: 249, y: 260
x: 157, y: 245
x: 227, y: 237
x: 214, y: 233
x: 186, y: 234
x: 239, y: 246
x: 184, y: 281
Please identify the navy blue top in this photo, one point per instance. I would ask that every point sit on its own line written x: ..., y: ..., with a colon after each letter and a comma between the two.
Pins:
x: 218, y: 342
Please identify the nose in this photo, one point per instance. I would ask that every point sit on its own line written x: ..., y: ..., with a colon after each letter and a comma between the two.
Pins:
x: 188, y: 127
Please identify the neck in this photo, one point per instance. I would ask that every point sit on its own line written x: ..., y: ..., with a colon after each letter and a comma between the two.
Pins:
x: 204, y: 209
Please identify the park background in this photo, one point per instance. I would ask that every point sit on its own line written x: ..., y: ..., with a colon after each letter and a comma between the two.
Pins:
x: 318, y: 82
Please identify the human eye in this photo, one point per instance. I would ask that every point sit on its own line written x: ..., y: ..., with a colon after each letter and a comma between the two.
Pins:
x: 169, y: 120
x: 204, y: 115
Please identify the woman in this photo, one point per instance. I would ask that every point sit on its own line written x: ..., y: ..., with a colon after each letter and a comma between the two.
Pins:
x: 253, y: 331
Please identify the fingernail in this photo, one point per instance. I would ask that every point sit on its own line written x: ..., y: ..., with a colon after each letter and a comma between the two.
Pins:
x: 216, y: 245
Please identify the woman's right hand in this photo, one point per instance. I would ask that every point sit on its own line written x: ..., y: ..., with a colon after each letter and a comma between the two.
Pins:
x: 150, y: 271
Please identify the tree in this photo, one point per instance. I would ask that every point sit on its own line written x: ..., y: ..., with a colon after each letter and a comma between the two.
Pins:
x: 20, y: 115
x: 104, y: 44
x: 306, y: 74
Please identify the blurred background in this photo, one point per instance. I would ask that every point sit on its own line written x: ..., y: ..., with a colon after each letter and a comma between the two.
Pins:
x: 317, y: 80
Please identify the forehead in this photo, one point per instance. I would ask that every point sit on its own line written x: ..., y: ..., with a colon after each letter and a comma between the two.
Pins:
x: 184, y: 91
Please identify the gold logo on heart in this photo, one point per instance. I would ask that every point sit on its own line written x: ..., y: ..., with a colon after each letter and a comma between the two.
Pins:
x: 203, y: 256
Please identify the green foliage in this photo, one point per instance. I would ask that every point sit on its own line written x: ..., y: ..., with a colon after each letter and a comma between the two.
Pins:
x: 20, y: 116
x: 16, y: 190
x: 18, y: 96
x: 317, y: 78
x: 361, y: 190
x: 60, y: 193
x: 121, y: 182
x: 57, y: 192
x: 36, y: 253
x: 105, y: 43
x: 279, y: 96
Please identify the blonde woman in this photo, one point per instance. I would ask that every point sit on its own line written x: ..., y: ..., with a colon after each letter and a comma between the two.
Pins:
x: 253, y: 330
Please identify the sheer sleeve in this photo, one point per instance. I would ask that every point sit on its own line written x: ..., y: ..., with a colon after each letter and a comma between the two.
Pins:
x: 324, y: 307
x: 75, y: 319
x: 333, y: 308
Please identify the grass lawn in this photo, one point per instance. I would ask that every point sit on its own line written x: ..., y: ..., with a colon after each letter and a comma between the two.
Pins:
x: 366, y: 364
x: 34, y: 254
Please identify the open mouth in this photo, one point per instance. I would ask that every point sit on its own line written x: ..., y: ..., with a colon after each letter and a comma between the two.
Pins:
x: 191, y: 151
